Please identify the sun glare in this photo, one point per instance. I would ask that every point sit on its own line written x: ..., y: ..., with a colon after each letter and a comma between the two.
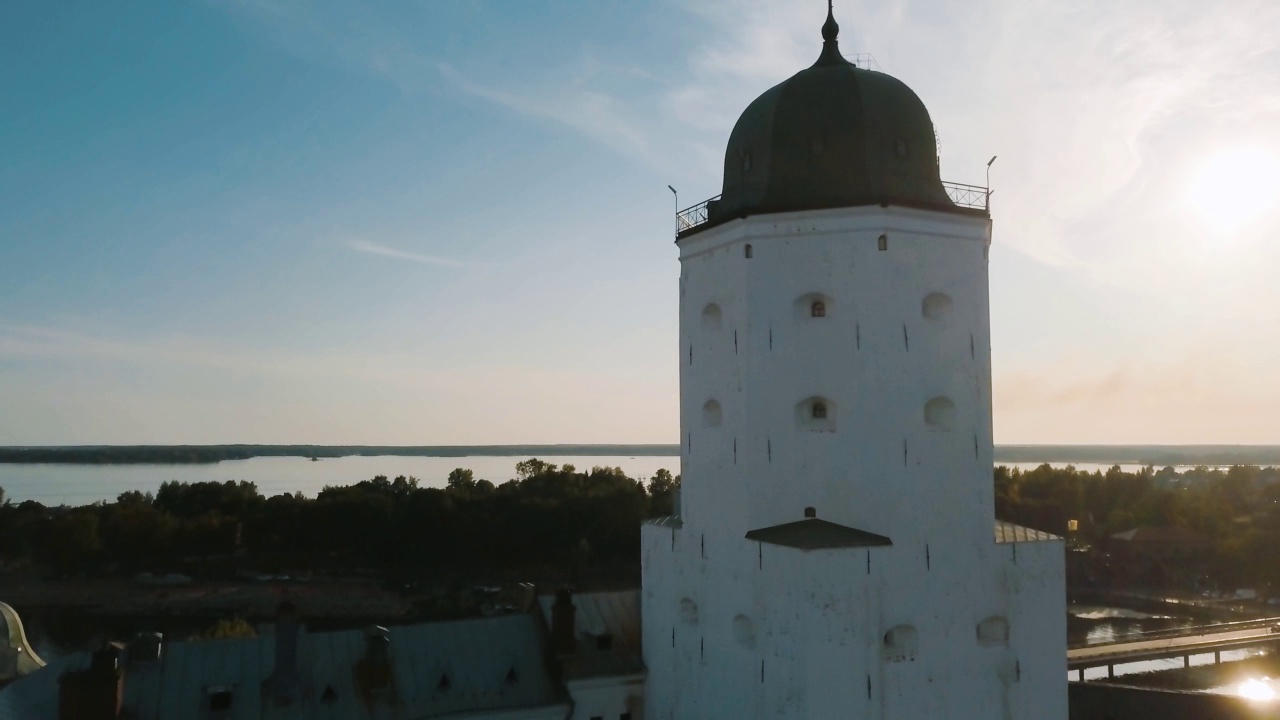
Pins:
x: 1255, y: 689
x: 1235, y: 186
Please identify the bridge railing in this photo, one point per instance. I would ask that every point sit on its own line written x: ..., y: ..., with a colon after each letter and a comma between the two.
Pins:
x: 1183, y: 632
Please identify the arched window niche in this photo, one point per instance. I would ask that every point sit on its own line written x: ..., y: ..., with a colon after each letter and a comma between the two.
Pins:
x: 711, y: 317
x: 936, y: 306
x: 688, y: 612
x: 901, y: 644
x: 993, y: 631
x: 816, y: 414
x: 940, y: 413
x: 712, y: 416
x: 747, y: 252
x: 813, y: 306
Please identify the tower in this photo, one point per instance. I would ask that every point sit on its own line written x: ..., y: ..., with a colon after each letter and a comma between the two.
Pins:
x: 835, y: 553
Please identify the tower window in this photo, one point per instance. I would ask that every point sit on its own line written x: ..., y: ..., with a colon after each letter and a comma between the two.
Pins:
x: 901, y: 643
x: 818, y: 309
x: 935, y: 306
x: 816, y: 414
x: 746, y: 251
x: 883, y: 242
x: 711, y: 414
x: 940, y: 413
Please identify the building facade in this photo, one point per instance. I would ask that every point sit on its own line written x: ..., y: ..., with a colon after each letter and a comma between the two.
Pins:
x: 833, y: 554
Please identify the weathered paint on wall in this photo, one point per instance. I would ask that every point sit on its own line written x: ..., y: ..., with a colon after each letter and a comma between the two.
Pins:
x: 899, y: 357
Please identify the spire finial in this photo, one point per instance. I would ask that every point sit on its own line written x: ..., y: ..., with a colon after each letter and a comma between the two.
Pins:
x: 830, y: 29
x: 830, y: 48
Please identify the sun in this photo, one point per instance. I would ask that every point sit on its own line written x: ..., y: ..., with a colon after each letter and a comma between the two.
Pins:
x: 1234, y: 186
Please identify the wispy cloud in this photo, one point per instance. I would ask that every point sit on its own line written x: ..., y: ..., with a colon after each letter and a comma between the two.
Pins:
x: 386, y: 251
x: 595, y: 114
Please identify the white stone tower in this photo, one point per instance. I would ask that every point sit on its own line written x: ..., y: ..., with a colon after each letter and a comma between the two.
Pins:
x: 834, y: 553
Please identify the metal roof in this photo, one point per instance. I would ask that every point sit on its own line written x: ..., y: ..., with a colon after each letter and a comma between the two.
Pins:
x: 491, y: 664
x: 816, y: 534
x: 16, y: 656
x: 1007, y: 532
x: 612, y: 614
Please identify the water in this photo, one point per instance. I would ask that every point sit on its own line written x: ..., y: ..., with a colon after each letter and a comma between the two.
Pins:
x: 56, y: 484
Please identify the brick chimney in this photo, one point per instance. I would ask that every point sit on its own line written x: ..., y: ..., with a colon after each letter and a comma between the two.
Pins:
x: 564, y: 637
x: 96, y: 693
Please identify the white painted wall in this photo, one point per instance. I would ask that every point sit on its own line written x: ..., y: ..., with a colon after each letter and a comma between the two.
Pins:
x: 814, y: 623
x: 609, y: 697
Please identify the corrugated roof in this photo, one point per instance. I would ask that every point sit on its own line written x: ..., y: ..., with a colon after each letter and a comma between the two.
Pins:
x: 817, y: 534
x: 1007, y: 532
x: 612, y: 614
x: 16, y: 656
x: 667, y: 521
x: 491, y: 664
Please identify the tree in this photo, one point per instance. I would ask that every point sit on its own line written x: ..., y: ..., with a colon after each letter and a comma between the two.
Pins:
x: 461, y: 479
x: 533, y: 467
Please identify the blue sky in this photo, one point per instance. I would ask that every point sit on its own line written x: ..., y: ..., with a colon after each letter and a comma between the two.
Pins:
x: 448, y: 222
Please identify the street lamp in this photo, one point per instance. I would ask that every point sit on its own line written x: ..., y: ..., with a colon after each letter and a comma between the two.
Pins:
x: 993, y: 159
x: 677, y: 196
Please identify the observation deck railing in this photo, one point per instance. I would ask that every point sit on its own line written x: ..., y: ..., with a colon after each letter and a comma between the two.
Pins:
x: 973, y: 197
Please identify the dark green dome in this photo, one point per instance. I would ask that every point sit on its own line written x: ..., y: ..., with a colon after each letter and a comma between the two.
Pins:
x: 833, y: 135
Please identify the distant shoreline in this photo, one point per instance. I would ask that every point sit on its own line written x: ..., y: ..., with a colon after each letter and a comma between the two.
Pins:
x: 1157, y: 455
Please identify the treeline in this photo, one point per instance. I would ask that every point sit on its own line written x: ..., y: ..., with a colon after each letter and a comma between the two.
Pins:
x: 1236, y: 509
x: 193, y: 454
x: 550, y: 516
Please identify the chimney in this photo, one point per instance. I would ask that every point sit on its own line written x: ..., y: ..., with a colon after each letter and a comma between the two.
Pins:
x: 373, y: 670
x: 96, y: 693
x: 144, y: 648
x: 810, y: 512
x: 563, y: 635
x: 284, y: 677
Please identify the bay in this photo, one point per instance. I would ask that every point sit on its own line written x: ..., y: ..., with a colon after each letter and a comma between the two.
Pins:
x: 54, y: 484
x: 63, y: 484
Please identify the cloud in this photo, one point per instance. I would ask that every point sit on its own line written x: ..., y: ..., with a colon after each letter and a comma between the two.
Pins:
x: 598, y: 115
x: 385, y: 251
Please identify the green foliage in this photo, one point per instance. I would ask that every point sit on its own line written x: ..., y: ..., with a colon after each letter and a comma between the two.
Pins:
x: 549, y: 517
x: 1236, y: 509
x: 225, y: 629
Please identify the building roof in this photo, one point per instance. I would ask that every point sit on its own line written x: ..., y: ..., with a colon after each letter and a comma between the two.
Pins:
x: 1007, y: 532
x: 490, y: 664
x: 817, y: 534
x: 17, y: 658
x: 611, y: 615
x: 832, y: 135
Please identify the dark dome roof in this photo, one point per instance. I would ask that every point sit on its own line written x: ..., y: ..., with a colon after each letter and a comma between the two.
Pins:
x: 833, y: 135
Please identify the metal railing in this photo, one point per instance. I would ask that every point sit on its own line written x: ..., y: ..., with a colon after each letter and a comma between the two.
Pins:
x: 692, y: 217
x: 974, y: 197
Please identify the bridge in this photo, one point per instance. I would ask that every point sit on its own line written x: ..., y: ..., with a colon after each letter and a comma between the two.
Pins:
x: 1183, y: 643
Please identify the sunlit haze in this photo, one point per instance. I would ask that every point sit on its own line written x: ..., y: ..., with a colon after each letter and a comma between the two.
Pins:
x: 449, y: 222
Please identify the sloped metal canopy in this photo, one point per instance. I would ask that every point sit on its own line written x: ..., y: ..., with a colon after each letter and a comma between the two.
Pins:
x: 817, y: 534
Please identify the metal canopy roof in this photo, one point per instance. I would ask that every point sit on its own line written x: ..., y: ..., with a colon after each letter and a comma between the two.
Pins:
x: 817, y: 534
